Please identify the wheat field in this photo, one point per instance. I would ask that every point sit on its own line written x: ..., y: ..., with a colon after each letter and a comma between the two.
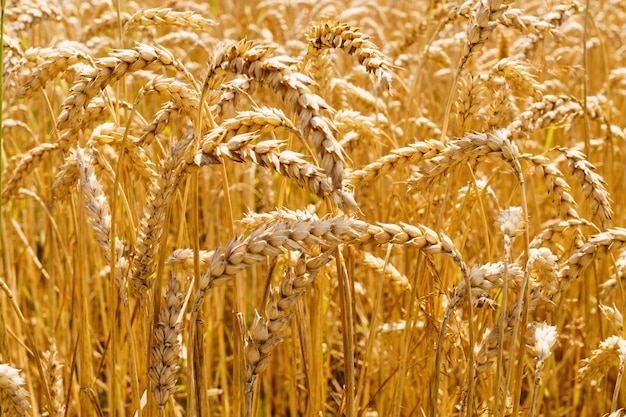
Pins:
x: 307, y: 208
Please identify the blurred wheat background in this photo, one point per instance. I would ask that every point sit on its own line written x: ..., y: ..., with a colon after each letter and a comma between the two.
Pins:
x: 313, y: 208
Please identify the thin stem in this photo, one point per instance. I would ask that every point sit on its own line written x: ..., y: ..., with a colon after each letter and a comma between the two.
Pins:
x: 406, y: 342
x: 442, y: 333
x: 586, y: 79
x: 345, y: 291
x: 522, y: 309
x: 4, y: 346
x: 533, y: 401
x: 618, y: 384
x: 502, y: 320
x: 369, y: 347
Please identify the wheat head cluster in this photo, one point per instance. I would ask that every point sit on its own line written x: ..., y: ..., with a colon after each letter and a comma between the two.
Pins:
x: 313, y: 208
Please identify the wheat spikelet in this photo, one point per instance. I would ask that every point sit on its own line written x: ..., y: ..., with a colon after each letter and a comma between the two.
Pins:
x: 9, y: 124
x: 183, y: 259
x: 545, y: 26
x: 348, y: 95
x: 189, y: 20
x: 398, y: 280
x: 179, y: 92
x: 161, y: 120
x: 350, y: 39
x: 354, y: 126
x: 516, y: 74
x: 470, y: 97
x: 484, y: 278
x: 544, y: 269
x: 555, y: 232
x: 538, y: 28
x: 231, y: 91
x: 108, y: 134
x: 610, y: 287
x: 12, y: 396
x: 487, y: 349
x: 166, y: 350
x: 96, y: 203
x: 97, y: 111
x: 612, y: 314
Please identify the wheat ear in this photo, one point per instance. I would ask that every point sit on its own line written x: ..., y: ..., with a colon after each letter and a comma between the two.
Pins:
x: 350, y: 39
x: 166, y: 350
x: 26, y: 164
x: 108, y: 70
x: 592, y: 183
x: 264, y: 334
x: 255, y: 62
x: 151, y: 225
x: 189, y: 20
x: 415, y: 152
x: 596, y: 247
x: 12, y: 396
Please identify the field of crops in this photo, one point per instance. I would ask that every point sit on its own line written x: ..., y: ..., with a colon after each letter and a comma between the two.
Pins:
x: 313, y: 208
